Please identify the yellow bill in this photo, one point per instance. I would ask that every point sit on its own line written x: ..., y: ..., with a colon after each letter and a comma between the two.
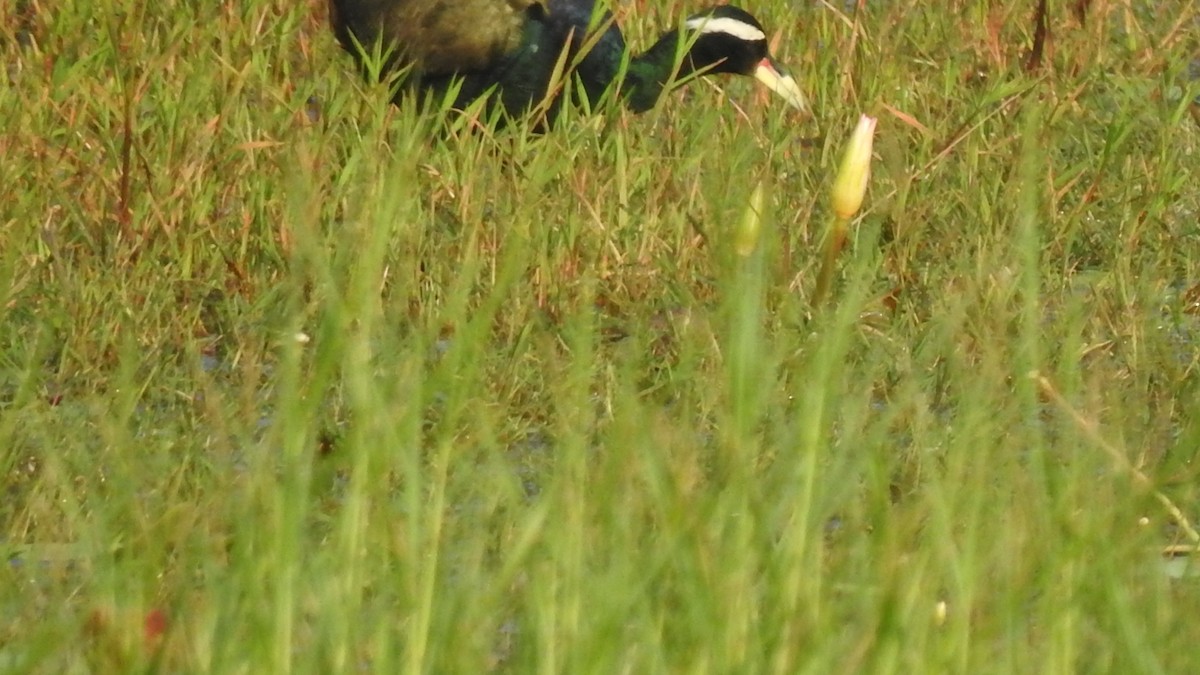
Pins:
x: 769, y: 73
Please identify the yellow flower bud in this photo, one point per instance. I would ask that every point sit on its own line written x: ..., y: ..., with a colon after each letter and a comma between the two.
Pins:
x: 746, y: 237
x: 851, y: 182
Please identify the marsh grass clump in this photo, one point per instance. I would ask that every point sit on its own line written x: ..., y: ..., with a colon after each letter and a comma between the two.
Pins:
x: 294, y: 379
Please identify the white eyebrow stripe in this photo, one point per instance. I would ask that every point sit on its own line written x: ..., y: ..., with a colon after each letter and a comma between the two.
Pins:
x: 724, y: 24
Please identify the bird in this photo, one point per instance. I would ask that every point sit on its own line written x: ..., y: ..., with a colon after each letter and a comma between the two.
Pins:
x: 508, y: 51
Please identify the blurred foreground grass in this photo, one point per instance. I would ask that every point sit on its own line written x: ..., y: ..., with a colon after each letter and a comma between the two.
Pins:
x: 543, y: 417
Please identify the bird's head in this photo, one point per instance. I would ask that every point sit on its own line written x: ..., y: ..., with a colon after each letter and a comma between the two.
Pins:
x: 726, y: 39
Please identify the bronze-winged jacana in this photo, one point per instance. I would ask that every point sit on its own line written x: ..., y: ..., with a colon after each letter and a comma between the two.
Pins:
x: 510, y: 49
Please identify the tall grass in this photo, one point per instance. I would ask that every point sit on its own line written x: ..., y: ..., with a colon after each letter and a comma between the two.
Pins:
x: 294, y: 380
